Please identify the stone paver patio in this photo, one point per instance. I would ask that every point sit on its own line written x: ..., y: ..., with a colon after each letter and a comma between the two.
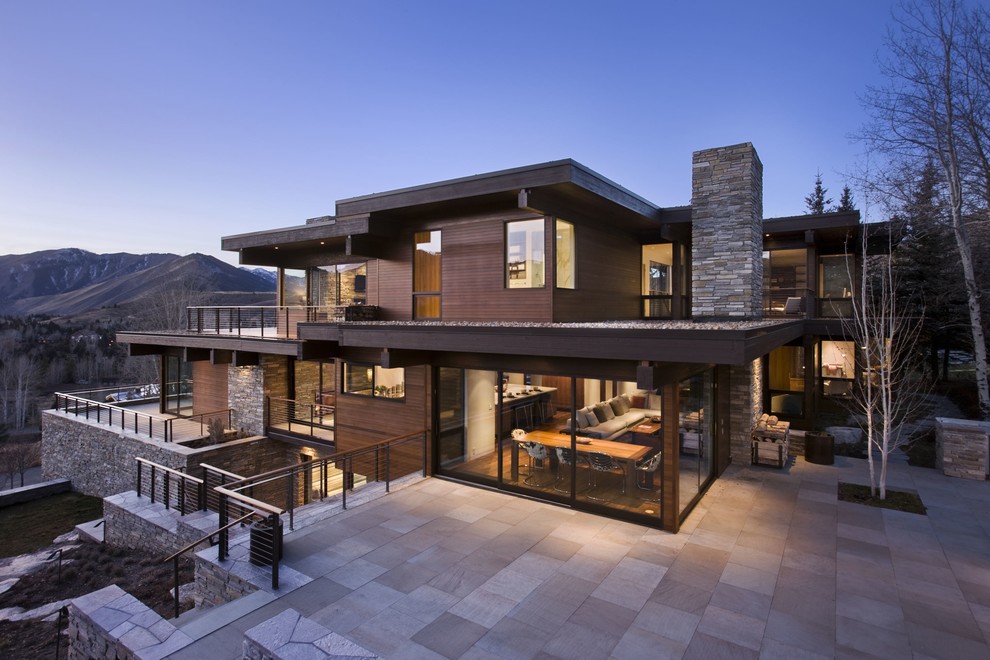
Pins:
x: 769, y: 565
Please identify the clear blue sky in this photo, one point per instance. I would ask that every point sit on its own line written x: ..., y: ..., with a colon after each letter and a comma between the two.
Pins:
x: 161, y: 126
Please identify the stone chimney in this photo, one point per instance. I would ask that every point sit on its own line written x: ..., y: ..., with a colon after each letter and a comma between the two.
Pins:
x: 727, y: 234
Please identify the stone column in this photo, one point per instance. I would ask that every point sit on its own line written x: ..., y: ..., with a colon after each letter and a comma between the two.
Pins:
x: 745, y: 407
x: 727, y: 234
x: 961, y: 447
x: 246, y: 396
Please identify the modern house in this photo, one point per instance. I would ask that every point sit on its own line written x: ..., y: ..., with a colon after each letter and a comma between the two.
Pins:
x: 554, y: 334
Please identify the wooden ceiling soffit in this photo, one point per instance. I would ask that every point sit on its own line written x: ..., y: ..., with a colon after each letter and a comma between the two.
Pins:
x: 318, y: 350
x: 137, y: 350
x: 365, y: 247
x: 554, y: 366
x: 221, y: 356
x: 760, y: 344
x: 246, y: 359
x: 392, y: 359
x: 543, y: 201
x: 654, y: 376
x: 190, y: 354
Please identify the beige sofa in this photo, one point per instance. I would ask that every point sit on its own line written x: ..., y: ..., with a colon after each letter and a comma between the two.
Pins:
x: 609, y: 420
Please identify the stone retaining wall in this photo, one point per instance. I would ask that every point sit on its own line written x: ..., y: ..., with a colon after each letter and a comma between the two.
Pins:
x: 100, y: 460
x: 111, y: 624
x: 134, y: 522
x: 961, y: 447
x: 215, y: 585
x: 34, y: 492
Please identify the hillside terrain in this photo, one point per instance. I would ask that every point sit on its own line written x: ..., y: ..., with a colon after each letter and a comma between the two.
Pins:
x: 72, y: 281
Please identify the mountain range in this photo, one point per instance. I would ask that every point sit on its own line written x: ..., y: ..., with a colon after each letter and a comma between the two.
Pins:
x: 72, y: 281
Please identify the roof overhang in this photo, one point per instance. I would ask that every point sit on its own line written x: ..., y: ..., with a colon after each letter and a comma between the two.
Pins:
x: 735, y: 343
x: 216, y: 347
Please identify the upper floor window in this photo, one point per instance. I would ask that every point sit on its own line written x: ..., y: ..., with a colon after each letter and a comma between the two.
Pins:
x: 426, y: 275
x: 524, y: 254
x: 371, y: 380
x: 835, y: 286
x: 565, y: 255
x: 344, y: 284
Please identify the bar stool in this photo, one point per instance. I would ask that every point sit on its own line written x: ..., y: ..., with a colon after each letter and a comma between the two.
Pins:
x: 522, y: 415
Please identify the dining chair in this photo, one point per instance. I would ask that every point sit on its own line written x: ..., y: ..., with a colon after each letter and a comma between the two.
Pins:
x: 603, y: 463
x: 646, y: 471
x: 539, y: 460
x: 565, y: 458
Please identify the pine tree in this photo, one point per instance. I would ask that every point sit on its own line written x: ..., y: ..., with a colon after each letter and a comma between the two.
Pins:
x: 816, y: 201
x: 846, y: 202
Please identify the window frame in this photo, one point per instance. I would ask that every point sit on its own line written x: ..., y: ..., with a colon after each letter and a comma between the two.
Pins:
x: 373, y: 392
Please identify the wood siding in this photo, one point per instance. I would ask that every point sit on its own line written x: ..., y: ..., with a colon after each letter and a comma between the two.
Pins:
x: 362, y: 421
x: 474, y: 274
x: 609, y: 264
x: 209, y: 387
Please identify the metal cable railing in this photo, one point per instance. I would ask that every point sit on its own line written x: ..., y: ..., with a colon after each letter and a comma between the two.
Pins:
x: 307, y: 418
x: 173, y: 488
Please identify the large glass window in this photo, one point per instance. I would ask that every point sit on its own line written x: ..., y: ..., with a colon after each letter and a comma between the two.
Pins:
x: 835, y: 286
x: 658, y: 261
x: 371, y: 380
x: 565, y: 255
x: 426, y: 275
x: 786, y: 381
x: 785, y: 281
x: 837, y: 368
x: 524, y: 254
x: 696, y: 436
x: 343, y: 284
x: 292, y: 291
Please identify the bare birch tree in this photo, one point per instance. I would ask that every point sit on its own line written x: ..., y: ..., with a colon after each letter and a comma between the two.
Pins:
x: 892, y: 389
x: 922, y: 112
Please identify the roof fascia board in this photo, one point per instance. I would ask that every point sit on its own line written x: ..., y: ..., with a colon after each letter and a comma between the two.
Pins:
x: 297, y: 234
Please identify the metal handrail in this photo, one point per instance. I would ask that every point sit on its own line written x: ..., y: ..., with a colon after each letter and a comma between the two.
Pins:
x: 305, y: 414
x: 174, y: 557
x: 254, y: 320
x: 231, y: 494
x: 104, y: 413
x: 197, y: 484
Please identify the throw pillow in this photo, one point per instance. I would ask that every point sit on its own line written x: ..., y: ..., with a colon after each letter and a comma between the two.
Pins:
x: 616, y: 406
x: 603, y: 409
x: 638, y: 402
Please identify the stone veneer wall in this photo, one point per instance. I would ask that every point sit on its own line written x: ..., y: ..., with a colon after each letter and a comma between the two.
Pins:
x: 111, y: 624
x: 246, y: 397
x: 215, y: 585
x: 961, y: 447
x: 727, y: 233
x: 97, y: 459
x: 746, y: 406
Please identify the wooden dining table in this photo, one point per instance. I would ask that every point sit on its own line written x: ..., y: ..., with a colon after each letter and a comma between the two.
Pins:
x: 623, y: 452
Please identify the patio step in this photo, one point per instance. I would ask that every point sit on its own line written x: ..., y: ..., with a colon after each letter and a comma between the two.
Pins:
x: 92, y: 530
x: 200, y: 623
